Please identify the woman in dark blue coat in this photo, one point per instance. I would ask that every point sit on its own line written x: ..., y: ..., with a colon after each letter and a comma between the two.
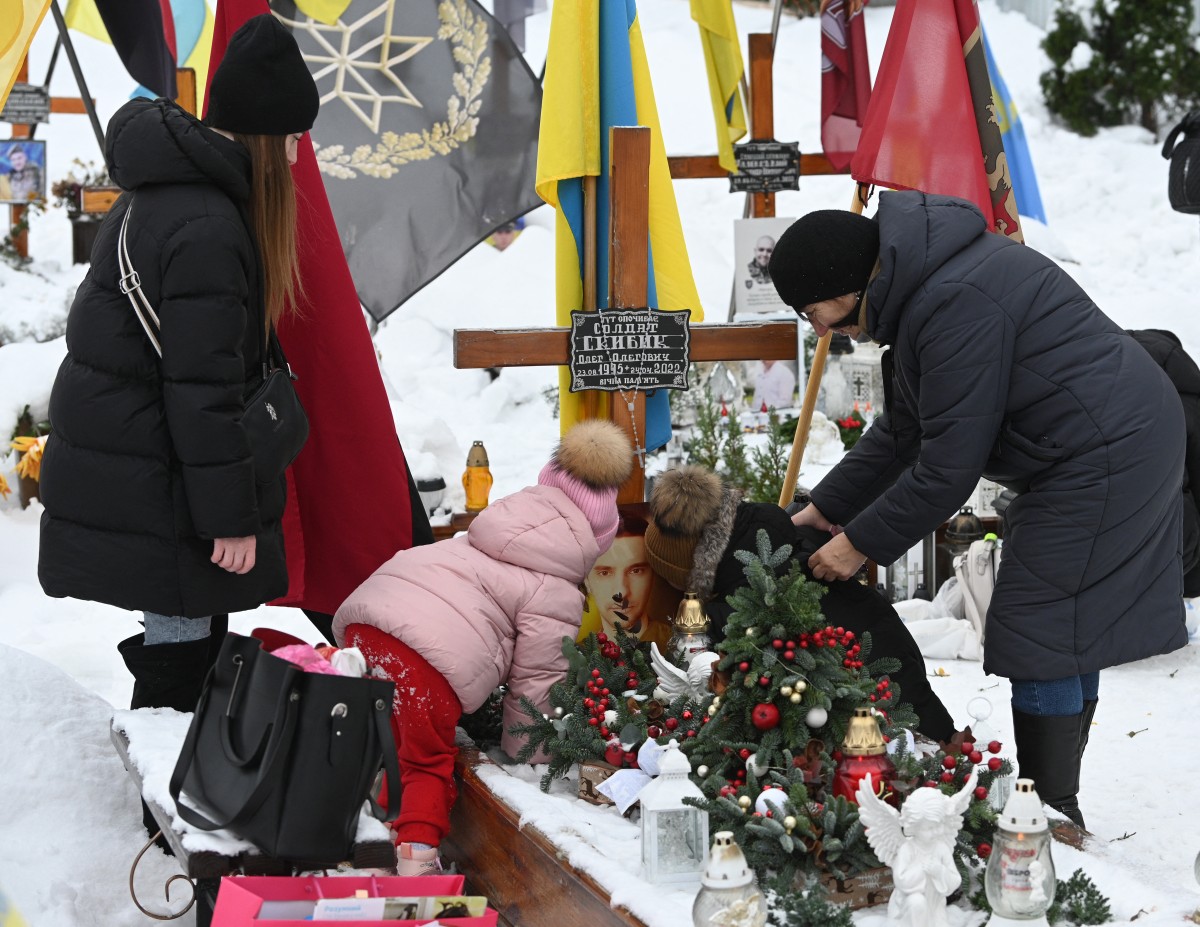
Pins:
x: 1002, y: 367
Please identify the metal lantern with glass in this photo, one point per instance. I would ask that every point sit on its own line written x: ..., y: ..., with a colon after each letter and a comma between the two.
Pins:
x: 1020, y: 880
x: 690, y: 631
x: 674, y: 835
x: 863, y: 752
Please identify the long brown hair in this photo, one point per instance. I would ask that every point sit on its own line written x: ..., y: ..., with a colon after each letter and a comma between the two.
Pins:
x: 273, y: 213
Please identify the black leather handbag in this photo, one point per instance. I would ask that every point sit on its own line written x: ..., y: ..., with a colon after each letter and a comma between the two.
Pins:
x: 273, y: 417
x: 1183, y: 182
x: 285, y: 759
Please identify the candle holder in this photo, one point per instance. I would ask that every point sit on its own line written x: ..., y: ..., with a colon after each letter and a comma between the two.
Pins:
x: 477, y: 478
x: 674, y: 835
x: 863, y: 752
x: 1020, y: 881
x: 689, y: 631
x: 728, y: 893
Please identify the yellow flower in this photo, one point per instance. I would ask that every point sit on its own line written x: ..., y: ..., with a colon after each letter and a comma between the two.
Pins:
x: 30, y: 449
x: 5, y: 492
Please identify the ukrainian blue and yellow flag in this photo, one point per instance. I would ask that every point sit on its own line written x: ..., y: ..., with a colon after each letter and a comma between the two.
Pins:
x: 723, y: 61
x: 597, y: 77
x: 1020, y: 164
x: 17, y: 26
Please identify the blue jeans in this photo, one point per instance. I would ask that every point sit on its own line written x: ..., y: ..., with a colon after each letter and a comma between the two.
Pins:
x: 163, y: 629
x: 1055, y: 696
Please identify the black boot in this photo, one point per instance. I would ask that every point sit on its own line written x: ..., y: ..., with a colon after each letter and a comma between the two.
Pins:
x: 1049, y: 752
x: 165, y: 676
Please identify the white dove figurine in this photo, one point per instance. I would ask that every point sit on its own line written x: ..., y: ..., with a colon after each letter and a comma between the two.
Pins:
x: 674, y: 682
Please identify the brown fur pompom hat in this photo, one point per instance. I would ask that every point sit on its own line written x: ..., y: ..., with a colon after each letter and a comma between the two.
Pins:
x: 593, y: 459
x: 682, y: 504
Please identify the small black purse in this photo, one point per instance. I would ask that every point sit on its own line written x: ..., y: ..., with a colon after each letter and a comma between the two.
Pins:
x: 1183, y: 181
x: 273, y: 416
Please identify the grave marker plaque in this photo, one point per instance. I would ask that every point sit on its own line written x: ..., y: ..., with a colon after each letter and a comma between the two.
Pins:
x: 766, y: 167
x: 624, y: 349
x: 27, y: 104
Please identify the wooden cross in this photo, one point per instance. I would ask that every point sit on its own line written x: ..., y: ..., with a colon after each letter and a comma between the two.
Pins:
x: 762, y: 128
x: 628, y: 270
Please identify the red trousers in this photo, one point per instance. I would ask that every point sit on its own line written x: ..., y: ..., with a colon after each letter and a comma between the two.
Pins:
x: 425, y: 713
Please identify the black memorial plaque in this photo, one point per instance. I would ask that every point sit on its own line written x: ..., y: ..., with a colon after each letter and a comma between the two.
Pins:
x: 26, y: 105
x: 766, y: 167
x: 617, y: 349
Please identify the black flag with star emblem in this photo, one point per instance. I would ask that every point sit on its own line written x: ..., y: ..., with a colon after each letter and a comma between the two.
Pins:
x: 426, y: 138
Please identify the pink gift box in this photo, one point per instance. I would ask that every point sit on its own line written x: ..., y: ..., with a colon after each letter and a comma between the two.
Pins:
x: 240, y: 898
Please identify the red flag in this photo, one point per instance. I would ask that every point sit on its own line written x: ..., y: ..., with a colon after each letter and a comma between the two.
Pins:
x: 930, y: 125
x: 335, y: 539
x: 845, y: 80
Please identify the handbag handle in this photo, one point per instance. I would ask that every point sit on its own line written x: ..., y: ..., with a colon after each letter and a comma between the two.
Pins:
x: 270, y: 777
x: 1189, y: 125
x: 391, y: 766
x: 130, y: 284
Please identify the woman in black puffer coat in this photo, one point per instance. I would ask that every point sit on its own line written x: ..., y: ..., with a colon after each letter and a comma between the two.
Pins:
x: 698, y: 524
x: 1000, y: 366
x: 147, y: 480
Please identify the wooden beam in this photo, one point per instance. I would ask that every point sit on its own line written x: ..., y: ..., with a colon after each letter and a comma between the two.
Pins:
x: 629, y: 275
x: 98, y: 199
x: 72, y: 105
x: 185, y: 89
x: 524, y: 876
x: 700, y: 167
x: 762, y: 107
x: 476, y: 348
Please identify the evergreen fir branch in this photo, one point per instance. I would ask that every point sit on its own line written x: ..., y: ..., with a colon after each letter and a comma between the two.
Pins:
x: 1078, y: 901
x: 807, y: 908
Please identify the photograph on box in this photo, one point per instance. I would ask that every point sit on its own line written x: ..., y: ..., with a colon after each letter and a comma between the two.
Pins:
x: 623, y: 591
x: 22, y: 171
x: 754, y: 243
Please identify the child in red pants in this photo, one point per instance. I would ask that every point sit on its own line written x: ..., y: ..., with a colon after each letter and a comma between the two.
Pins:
x: 449, y: 622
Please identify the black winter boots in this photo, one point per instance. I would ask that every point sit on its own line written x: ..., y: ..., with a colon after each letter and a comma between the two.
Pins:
x: 1050, y: 752
x: 169, y: 676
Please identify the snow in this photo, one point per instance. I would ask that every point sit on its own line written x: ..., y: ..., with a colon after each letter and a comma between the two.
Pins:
x: 69, y: 822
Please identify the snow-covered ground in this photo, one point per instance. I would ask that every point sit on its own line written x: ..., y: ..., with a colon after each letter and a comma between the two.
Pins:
x: 69, y: 823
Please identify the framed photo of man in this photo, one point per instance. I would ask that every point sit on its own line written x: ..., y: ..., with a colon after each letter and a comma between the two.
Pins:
x: 22, y: 171
x: 754, y: 243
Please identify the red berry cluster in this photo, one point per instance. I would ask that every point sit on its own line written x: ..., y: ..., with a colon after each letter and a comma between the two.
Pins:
x: 956, y: 769
x: 611, y: 650
x: 882, y: 693
x: 616, y: 755
x: 598, y: 702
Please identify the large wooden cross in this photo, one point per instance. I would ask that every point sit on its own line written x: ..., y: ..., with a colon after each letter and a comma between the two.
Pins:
x: 628, y: 269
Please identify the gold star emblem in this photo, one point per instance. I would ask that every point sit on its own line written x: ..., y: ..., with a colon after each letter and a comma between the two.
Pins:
x: 352, y: 59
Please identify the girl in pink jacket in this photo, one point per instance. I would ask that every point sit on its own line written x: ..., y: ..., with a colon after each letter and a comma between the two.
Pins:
x: 449, y: 622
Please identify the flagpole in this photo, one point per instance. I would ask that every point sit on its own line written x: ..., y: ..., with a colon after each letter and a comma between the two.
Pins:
x: 590, y: 400
x: 776, y: 13
x: 800, y: 441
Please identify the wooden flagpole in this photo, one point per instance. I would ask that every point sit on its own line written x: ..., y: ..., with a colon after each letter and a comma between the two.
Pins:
x: 800, y: 441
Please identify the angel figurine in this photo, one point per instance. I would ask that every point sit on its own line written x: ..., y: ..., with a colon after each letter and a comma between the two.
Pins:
x: 675, y: 682
x: 917, y: 842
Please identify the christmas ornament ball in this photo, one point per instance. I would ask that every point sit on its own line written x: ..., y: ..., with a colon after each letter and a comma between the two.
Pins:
x: 765, y: 716
x: 816, y: 717
x: 795, y: 698
x: 702, y: 771
x: 789, y: 822
x: 750, y: 632
x: 785, y: 690
x: 772, y: 800
x: 801, y: 686
x: 744, y: 802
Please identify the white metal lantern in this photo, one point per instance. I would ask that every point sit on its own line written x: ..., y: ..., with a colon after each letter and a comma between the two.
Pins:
x: 1020, y: 873
x: 674, y: 835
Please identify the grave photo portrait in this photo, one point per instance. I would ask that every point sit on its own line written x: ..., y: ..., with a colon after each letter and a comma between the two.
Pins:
x: 754, y: 243
x: 22, y: 171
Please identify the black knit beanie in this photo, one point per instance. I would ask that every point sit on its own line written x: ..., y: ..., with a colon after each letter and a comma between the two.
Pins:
x: 262, y: 86
x: 826, y: 254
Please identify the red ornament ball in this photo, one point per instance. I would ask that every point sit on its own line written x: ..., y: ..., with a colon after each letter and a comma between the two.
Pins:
x: 975, y: 756
x: 687, y: 716
x: 789, y: 654
x: 777, y: 644
x: 994, y: 747
x: 613, y: 754
x: 744, y: 666
x: 653, y: 731
x: 764, y: 717
x: 671, y: 723
x: 949, y: 762
x: 764, y: 680
x: 980, y: 792
x: 985, y: 850
x: 947, y: 776
x: 994, y: 763
x: 744, y: 753
x: 967, y: 747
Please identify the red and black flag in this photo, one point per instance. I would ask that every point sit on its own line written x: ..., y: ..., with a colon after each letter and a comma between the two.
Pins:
x: 845, y: 79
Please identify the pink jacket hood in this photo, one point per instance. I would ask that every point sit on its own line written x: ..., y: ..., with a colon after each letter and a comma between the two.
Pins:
x: 490, y: 607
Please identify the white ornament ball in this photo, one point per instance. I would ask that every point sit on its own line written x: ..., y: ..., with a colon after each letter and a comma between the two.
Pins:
x: 702, y: 771
x: 772, y: 800
x: 816, y: 717
x: 558, y: 712
x: 712, y: 710
x: 795, y: 698
x: 744, y: 802
x: 801, y: 686
x: 750, y: 632
x: 610, y: 717
x: 785, y: 690
x: 789, y: 822
x: 757, y: 766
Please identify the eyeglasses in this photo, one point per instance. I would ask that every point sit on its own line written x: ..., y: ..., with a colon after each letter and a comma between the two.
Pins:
x: 850, y: 318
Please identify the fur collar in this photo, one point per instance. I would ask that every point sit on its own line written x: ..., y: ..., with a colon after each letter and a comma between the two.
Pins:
x: 712, y: 544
